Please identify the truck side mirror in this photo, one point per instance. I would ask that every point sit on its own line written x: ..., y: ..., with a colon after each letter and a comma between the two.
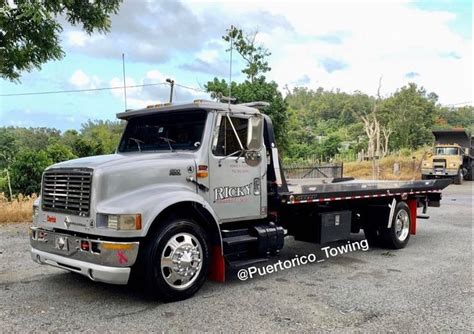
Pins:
x: 254, y: 141
x: 254, y: 133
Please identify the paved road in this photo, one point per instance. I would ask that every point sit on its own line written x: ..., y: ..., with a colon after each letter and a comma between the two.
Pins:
x: 424, y: 287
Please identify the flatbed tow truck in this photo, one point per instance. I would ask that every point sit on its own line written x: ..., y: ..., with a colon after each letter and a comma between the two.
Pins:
x: 196, y: 188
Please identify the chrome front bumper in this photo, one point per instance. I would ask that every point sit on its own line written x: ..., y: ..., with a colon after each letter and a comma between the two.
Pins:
x: 439, y: 172
x: 105, y: 261
x: 95, y: 272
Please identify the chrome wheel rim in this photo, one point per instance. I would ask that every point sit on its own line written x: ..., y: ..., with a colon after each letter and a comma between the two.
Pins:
x: 181, y: 261
x: 402, y: 225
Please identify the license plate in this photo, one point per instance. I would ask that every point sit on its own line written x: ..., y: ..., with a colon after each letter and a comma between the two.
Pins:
x: 61, y: 243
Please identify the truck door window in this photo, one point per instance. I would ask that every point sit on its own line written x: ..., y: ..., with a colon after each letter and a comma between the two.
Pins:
x: 226, y: 143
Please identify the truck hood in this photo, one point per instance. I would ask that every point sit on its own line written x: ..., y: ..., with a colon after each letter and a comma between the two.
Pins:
x: 117, y: 174
x: 112, y: 160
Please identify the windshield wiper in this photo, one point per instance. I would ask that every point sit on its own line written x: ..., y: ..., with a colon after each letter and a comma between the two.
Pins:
x: 168, y: 141
x: 136, y: 141
x: 240, y: 152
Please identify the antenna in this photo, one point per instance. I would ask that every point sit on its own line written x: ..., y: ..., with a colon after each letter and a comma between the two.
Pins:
x: 230, y: 64
x: 124, y: 85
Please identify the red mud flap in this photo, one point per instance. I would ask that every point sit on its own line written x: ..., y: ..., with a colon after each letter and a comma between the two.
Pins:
x: 217, y: 267
x: 412, y: 204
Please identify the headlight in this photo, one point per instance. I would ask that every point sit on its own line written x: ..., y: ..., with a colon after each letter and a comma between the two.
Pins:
x: 453, y: 164
x: 426, y: 164
x: 124, y: 222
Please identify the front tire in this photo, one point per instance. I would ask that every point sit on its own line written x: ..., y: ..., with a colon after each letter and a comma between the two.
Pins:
x: 176, y: 260
x: 398, y: 234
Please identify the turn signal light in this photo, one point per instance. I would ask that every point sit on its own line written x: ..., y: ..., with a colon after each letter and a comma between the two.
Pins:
x: 202, y: 171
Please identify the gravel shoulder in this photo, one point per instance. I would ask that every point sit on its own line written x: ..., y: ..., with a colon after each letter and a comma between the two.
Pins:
x: 425, y: 287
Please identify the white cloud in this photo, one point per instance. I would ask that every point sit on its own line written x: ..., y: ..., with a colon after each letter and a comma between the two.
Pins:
x: 76, y: 38
x: 370, y: 39
x: 80, y: 80
x: 208, y: 55
x: 332, y: 44
x: 156, y: 76
x: 156, y: 90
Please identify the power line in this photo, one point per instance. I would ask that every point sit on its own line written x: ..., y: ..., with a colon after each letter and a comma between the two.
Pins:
x: 83, y: 90
x: 191, y: 88
x: 456, y: 104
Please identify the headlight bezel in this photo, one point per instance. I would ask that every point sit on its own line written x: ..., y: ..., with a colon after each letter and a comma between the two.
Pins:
x: 123, y: 222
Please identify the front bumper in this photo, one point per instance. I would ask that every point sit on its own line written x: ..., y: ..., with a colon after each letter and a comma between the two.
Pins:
x: 438, y: 173
x: 105, y: 261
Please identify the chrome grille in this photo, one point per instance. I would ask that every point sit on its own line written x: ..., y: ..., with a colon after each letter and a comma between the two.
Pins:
x: 67, y: 191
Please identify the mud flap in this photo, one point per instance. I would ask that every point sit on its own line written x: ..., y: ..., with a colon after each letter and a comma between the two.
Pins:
x: 217, y: 266
x: 412, y: 204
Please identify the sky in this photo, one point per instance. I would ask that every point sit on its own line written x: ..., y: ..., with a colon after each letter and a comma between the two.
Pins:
x: 345, y: 45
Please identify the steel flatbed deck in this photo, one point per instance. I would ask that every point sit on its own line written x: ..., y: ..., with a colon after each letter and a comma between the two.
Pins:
x: 325, y: 190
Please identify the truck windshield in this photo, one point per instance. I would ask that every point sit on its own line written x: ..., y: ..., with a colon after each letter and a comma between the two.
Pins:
x: 446, y: 151
x: 164, y: 132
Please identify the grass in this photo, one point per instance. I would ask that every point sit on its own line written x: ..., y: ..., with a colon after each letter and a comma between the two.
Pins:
x: 19, y: 209
x: 409, y: 167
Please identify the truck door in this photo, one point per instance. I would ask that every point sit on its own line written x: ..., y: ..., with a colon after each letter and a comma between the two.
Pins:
x: 236, y: 191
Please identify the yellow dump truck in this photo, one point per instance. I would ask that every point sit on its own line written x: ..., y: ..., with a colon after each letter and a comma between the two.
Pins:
x: 451, y: 156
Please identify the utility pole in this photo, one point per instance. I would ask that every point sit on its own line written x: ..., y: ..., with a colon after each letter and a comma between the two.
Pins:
x: 171, y: 82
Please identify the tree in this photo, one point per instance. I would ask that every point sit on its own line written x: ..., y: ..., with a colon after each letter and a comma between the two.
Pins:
x: 256, y: 87
x: 254, y: 55
x: 27, y: 170
x: 103, y: 135
x: 411, y: 113
x: 59, y: 152
x: 330, y: 147
x: 29, y: 30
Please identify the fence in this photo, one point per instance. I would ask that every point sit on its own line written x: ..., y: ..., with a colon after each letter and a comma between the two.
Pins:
x: 313, y: 171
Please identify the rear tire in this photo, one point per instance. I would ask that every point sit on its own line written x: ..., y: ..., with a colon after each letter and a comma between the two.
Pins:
x: 398, y: 234
x: 176, y: 260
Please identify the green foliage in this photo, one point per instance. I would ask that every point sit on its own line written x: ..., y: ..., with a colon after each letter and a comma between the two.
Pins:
x: 26, y: 152
x: 30, y: 30
x: 316, y: 116
x: 102, y: 136
x: 27, y: 169
x: 8, y: 148
x: 411, y: 112
x: 59, y: 152
x: 462, y: 117
x: 330, y: 146
x: 253, y: 55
